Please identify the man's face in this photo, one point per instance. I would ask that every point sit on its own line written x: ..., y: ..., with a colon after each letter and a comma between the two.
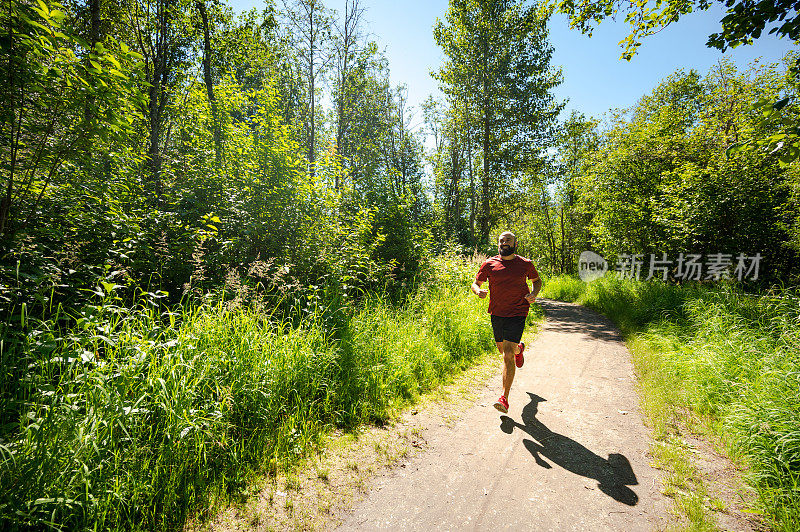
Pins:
x: 507, y: 245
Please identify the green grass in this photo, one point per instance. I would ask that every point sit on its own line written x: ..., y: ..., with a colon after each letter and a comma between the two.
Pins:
x: 563, y: 288
x: 730, y: 359
x: 136, y: 420
x: 683, y: 483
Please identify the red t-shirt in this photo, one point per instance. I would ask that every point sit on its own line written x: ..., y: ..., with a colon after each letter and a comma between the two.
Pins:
x: 507, y: 284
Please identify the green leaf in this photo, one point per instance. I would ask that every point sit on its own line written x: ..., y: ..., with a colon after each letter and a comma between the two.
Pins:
x: 789, y: 156
x: 43, y: 11
x: 37, y: 25
x: 780, y: 104
x: 57, y: 15
x: 761, y: 103
x: 735, y: 148
x: 108, y: 287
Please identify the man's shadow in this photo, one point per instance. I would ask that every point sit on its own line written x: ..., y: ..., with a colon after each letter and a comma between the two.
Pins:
x: 613, y: 475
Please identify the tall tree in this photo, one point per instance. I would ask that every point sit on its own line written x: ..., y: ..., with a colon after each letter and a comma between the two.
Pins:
x: 452, y: 166
x: 348, y: 43
x: 163, y: 35
x: 498, y: 63
x: 744, y: 22
x: 54, y: 104
x: 209, y: 81
x: 660, y: 180
x: 309, y: 23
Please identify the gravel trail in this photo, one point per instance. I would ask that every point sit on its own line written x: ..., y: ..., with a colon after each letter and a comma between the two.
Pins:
x: 571, y: 454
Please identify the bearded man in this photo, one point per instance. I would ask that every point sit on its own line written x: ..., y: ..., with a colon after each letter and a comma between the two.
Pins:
x: 509, y: 302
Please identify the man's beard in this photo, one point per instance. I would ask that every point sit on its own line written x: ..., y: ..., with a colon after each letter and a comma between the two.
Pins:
x: 506, y: 250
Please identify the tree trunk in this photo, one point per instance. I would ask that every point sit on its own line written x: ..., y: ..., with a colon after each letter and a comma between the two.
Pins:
x: 311, y: 159
x: 154, y: 151
x: 549, y: 226
x: 94, y: 32
x: 471, y: 183
x: 486, y: 151
x: 342, y: 99
x: 10, y: 90
x: 157, y: 92
x: 563, y: 241
x: 484, y: 218
x: 349, y: 41
x: 453, y: 199
x: 201, y: 7
x: 94, y: 38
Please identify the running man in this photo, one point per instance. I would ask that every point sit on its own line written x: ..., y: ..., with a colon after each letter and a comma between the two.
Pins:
x: 509, y: 301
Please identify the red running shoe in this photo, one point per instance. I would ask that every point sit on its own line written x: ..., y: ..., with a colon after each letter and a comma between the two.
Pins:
x: 502, y: 404
x: 519, y: 360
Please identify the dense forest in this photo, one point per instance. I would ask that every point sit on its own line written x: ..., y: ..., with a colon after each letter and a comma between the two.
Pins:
x: 202, y: 215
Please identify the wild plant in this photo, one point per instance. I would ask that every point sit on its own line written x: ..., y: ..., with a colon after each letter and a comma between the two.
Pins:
x: 137, y: 417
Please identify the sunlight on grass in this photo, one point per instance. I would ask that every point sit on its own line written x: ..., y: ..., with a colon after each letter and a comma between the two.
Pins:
x: 730, y: 358
x: 158, y: 418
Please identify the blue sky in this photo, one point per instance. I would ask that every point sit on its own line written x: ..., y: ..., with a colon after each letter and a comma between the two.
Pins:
x: 595, y: 78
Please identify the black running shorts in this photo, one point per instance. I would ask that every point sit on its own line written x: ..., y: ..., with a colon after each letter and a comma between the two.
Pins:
x: 508, y: 328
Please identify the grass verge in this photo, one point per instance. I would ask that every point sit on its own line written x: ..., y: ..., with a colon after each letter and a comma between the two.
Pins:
x: 140, y: 420
x: 716, y: 360
x: 317, y: 492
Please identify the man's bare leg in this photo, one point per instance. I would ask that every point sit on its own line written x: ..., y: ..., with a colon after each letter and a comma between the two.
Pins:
x: 509, y: 368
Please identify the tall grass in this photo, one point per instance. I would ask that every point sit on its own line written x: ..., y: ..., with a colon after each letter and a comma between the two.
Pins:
x: 135, y: 420
x: 730, y: 357
x: 563, y: 288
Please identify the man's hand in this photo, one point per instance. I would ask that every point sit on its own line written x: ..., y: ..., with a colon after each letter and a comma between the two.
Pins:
x: 478, y: 291
x: 530, y: 297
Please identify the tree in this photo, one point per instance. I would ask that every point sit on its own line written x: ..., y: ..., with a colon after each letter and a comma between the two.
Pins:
x: 209, y: 81
x: 163, y: 33
x: 248, y: 48
x: 377, y: 148
x: 310, y: 29
x: 347, y: 45
x: 744, y: 22
x: 660, y: 180
x: 453, y: 172
x: 498, y: 64
x: 577, y: 141
x: 54, y: 103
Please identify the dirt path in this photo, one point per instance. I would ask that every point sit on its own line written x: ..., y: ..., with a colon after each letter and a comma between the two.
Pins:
x: 572, y: 453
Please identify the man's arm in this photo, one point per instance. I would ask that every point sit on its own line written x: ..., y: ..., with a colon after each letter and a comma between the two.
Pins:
x: 535, y: 287
x: 477, y: 290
